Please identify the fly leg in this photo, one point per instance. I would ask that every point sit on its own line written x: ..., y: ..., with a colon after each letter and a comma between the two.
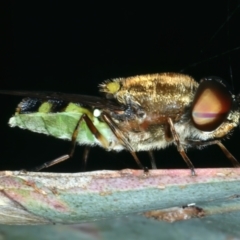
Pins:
x: 93, y: 130
x: 122, y: 138
x: 180, y: 147
x: 232, y: 159
x: 52, y: 162
x: 85, y: 157
x: 152, y: 158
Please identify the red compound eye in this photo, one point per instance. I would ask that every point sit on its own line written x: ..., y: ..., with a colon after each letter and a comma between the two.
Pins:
x: 212, y: 104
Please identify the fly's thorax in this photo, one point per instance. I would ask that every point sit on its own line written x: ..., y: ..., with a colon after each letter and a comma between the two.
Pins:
x: 150, y: 86
x: 152, y: 139
x: 150, y: 99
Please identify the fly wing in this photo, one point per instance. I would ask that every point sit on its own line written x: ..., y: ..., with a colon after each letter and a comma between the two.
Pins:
x: 91, y: 101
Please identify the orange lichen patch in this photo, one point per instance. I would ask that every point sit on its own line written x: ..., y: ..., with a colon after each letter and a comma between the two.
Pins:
x: 176, y: 213
x: 105, y: 193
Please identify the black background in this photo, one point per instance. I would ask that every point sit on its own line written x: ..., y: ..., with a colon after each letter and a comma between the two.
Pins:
x: 72, y: 47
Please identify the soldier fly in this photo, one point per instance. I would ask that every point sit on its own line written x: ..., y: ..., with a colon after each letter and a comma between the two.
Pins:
x: 140, y: 113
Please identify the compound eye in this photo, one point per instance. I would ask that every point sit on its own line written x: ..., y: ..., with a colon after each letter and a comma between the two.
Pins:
x: 212, y: 104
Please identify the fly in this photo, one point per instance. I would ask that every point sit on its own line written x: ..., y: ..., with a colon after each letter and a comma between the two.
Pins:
x: 140, y: 113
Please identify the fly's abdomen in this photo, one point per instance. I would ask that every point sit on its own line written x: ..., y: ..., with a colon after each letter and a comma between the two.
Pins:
x: 41, y: 118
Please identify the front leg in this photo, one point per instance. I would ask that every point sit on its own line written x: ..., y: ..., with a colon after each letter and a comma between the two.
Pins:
x: 199, y: 144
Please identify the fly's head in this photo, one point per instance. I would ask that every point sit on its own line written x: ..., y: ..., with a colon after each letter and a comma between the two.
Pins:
x: 212, y: 115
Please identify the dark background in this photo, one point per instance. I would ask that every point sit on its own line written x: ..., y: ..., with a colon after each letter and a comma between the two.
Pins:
x: 72, y: 47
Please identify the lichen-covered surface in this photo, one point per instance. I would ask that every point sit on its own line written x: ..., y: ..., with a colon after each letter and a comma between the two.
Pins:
x: 220, y: 227
x: 46, y: 198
